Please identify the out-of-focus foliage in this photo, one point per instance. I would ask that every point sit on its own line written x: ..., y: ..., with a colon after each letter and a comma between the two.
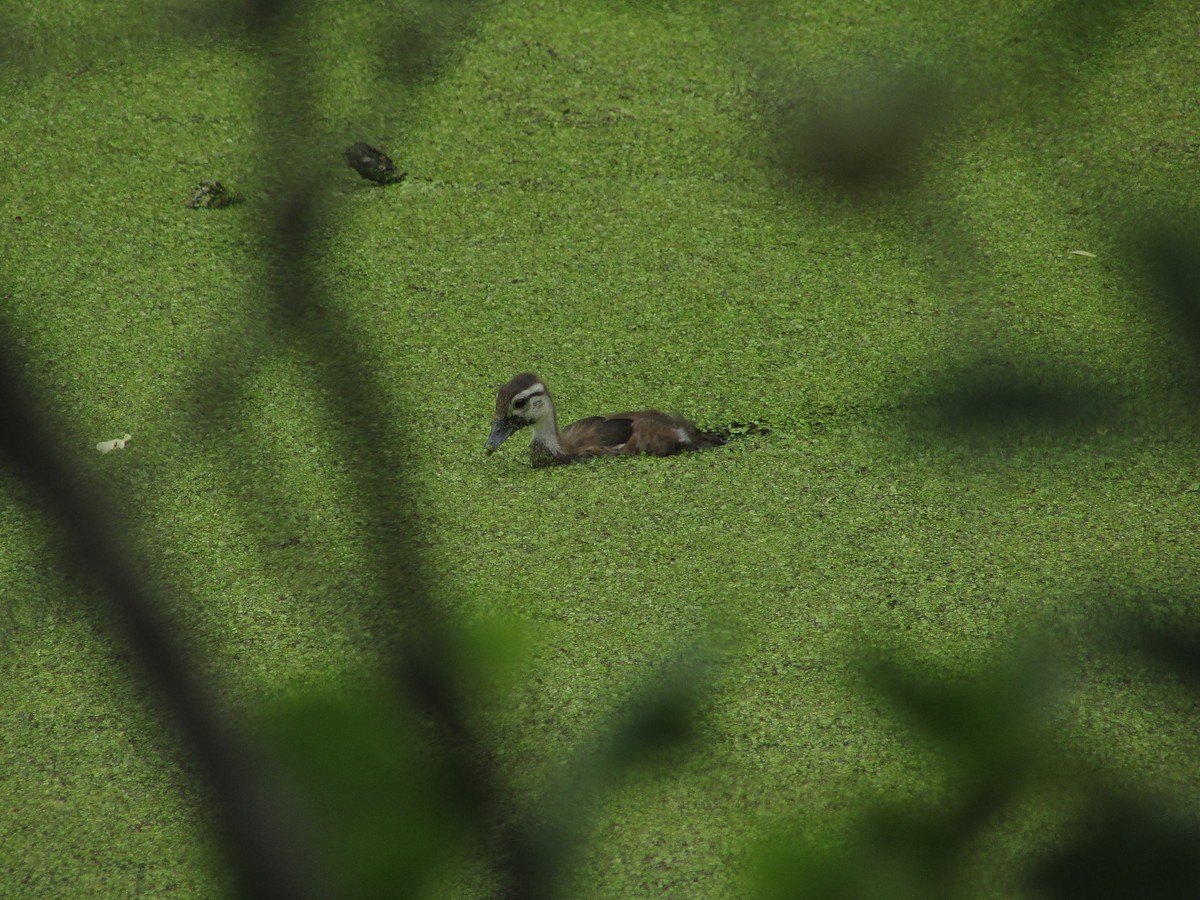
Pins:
x: 389, y: 810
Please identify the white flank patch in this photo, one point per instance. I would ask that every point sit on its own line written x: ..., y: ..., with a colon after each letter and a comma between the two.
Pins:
x: 683, y: 436
x: 114, y: 444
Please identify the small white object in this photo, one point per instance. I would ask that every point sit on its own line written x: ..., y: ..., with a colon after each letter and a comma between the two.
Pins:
x: 1083, y: 253
x: 115, y: 444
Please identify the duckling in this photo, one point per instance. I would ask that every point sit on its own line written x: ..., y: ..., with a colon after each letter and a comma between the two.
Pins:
x: 525, y: 400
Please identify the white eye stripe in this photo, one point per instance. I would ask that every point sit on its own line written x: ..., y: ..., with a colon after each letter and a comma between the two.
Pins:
x: 538, y: 388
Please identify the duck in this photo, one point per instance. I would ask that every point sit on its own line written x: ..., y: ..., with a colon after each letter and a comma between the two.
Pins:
x: 525, y: 401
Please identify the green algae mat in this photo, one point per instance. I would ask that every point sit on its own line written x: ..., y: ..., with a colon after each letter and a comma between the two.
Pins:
x: 922, y: 628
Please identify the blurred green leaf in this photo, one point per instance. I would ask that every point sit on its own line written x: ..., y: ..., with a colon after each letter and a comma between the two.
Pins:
x: 990, y: 721
x: 389, y: 814
x: 660, y: 719
x: 989, y: 724
x: 1128, y: 849
x: 1170, y: 643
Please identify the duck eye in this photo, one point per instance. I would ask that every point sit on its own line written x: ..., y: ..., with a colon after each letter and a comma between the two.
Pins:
x: 520, y: 403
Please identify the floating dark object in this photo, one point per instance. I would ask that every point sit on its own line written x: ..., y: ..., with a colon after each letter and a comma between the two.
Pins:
x: 210, y: 195
x: 373, y: 165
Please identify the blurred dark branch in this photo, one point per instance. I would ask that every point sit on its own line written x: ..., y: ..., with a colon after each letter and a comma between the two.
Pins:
x: 865, y: 131
x: 1129, y: 848
x: 418, y: 51
x: 1171, y: 258
x: 1167, y: 642
x: 266, y: 837
x: 1001, y: 406
x: 1057, y: 45
x: 659, y: 719
x: 419, y: 645
x: 864, y: 140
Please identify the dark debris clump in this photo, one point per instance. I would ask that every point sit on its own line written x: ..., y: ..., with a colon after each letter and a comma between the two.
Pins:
x: 372, y: 164
x: 210, y: 195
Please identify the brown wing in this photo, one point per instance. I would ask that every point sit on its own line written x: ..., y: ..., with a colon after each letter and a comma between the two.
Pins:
x: 663, y: 435
x: 655, y: 433
x: 596, y: 436
x: 648, y: 431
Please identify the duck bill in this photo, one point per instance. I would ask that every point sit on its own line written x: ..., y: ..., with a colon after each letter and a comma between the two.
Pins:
x: 500, y: 433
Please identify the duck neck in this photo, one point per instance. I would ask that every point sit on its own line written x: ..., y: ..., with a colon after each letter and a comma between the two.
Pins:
x: 545, y: 436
